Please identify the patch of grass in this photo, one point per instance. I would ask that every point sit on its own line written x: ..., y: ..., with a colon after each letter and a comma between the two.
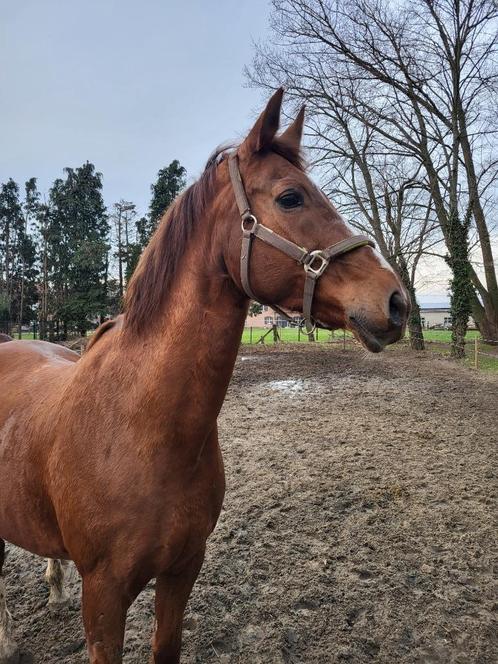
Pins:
x: 290, y: 335
x: 445, y: 335
x: 487, y: 361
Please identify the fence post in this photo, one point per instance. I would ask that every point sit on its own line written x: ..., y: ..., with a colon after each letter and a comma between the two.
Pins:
x: 344, y: 340
x: 299, y: 333
x: 476, y: 352
x: 250, y: 335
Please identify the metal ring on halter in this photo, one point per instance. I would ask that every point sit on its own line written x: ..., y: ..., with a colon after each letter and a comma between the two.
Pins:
x: 249, y: 217
x: 311, y: 258
x: 302, y: 325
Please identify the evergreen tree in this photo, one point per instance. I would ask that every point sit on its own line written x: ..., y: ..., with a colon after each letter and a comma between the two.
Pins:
x: 170, y: 181
x: 77, y: 236
x: 17, y: 251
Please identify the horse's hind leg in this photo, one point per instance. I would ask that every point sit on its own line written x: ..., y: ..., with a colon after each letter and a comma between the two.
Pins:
x: 8, y: 648
x: 54, y: 576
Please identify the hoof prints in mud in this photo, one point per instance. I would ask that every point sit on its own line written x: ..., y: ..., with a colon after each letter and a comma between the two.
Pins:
x: 359, y: 523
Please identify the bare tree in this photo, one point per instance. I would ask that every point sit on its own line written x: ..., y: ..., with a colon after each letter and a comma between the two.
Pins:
x: 123, y: 215
x: 382, y: 194
x: 419, y: 77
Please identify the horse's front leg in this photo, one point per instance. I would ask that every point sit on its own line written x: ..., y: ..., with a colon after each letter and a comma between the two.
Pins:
x: 172, y: 593
x: 105, y: 602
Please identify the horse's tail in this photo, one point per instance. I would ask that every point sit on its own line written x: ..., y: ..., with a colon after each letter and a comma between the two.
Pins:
x: 4, y: 338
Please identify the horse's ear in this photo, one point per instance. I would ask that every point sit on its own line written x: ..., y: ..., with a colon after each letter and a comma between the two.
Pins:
x: 292, y: 136
x: 262, y: 134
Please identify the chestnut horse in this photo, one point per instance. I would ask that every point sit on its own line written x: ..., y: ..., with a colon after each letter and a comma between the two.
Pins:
x: 112, y: 460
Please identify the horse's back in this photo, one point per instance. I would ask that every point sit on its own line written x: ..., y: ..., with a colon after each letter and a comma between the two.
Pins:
x: 26, y: 355
x: 29, y: 372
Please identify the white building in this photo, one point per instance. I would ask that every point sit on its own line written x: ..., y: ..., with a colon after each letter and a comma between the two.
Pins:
x: 433, y: 314
x: 437, y: 315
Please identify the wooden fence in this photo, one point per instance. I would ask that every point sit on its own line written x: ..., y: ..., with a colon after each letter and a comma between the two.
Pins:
x: 479, y: 352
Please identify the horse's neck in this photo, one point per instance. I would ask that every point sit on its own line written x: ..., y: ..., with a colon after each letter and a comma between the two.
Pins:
x: 186, y: 360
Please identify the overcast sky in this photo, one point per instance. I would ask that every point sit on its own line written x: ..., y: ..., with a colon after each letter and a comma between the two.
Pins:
x: 129, y: 86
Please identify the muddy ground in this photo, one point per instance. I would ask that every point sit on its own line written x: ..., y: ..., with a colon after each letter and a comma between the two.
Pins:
x: 360, y: 521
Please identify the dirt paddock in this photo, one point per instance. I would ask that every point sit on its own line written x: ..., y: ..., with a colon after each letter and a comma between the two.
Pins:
x: 360, y: 522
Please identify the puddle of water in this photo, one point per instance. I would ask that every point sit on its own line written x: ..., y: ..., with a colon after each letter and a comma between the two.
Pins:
x: 288, y: 386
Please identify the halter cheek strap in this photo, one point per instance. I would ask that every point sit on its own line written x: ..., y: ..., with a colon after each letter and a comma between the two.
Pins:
x: 314, y: 262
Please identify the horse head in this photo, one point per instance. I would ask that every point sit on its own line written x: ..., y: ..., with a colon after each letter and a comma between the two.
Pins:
x: 297, y: 252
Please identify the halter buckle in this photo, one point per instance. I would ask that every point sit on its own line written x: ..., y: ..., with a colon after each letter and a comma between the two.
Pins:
x: 248, y: 218
x: 310, y: 263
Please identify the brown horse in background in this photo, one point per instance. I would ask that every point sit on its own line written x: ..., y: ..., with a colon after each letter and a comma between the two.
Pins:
x: 112, y: 460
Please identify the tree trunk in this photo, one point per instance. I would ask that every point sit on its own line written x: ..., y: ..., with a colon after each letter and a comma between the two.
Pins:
x: 415, y: 329
x: 489, y: 329
x: 23, y: 270
x: 44, y: 299
x: 120, y: 258
x: 21, y: 306
x: 482, y: 229
x: 8, y: 322
x: 460, y: 285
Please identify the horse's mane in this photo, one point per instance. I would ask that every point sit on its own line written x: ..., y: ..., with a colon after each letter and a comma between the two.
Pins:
x: 158, y: 265
x: 102, y: 329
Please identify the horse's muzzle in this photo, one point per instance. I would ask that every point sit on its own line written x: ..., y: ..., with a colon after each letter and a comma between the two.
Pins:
x: 375, y: 338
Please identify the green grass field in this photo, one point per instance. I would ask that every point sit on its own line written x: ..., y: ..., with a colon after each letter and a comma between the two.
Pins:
x: 291, y: 334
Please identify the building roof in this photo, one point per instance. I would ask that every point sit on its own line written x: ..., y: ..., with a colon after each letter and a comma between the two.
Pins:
x: 435, y: 306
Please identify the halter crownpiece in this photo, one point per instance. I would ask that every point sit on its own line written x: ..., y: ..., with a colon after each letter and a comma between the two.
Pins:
x: 314, y: 262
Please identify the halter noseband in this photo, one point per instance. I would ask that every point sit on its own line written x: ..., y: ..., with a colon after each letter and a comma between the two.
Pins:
x: 314, y: 262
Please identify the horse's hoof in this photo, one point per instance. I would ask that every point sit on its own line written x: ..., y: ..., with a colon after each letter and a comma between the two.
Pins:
x: 9, y: 652
x: 57, y: 605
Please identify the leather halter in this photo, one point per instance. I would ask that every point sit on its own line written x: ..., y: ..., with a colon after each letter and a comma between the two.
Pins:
x: 314, y: 262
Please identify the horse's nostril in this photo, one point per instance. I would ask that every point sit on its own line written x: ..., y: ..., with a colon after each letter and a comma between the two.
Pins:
x: 397, y: 309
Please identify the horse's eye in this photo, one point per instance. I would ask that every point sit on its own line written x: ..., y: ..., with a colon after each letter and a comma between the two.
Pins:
x: 290, y: 199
